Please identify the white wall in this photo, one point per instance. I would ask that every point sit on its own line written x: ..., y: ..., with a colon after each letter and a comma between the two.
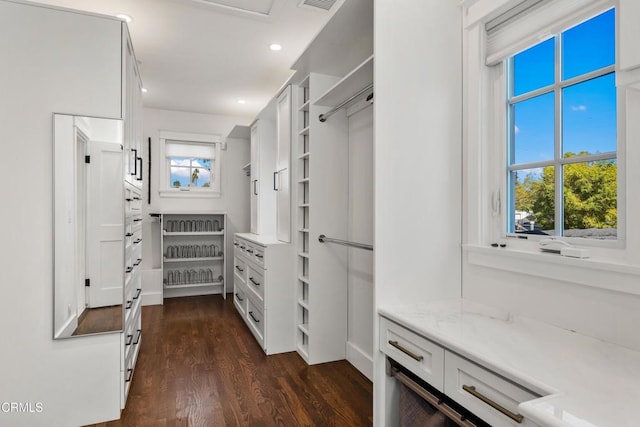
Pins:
x: 599, y: 297
x: 234, y: 187
x: 52, y: 62
x: 360, y: 229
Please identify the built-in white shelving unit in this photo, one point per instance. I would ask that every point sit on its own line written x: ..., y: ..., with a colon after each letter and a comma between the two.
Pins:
x: 193, y: 253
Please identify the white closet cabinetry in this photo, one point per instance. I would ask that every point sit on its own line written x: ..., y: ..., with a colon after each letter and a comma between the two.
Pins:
x: 132, y: 285
x: 283, y: 165
x: 132, y: 111
x: 263, y: 290
x: 262, y: 184
x: 193, y: 254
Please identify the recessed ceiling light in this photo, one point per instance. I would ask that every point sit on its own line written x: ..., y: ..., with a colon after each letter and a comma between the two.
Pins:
x: 144, y: 90
x: 241, y: 101
x: 275, y: 46
x: 124, y: 17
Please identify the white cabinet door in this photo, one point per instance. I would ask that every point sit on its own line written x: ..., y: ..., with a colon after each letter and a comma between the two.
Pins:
x: 255, y: 173
x: 282, y: 174
x: 105, y: 227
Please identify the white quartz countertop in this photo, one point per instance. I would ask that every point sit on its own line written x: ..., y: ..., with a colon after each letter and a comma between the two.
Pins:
x: 260, y: 239
x: 584, y: 382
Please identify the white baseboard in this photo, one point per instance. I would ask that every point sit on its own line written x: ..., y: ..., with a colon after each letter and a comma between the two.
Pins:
x: 361, y: 360
x: 152, y: 298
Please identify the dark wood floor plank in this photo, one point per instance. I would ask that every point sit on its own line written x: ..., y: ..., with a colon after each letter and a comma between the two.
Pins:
x: 199, y: 365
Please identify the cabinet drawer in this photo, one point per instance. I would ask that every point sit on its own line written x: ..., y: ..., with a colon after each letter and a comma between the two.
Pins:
x: 255, y: 319
x: 240, y: 298
x: 255, y: 282
x: 421, y: 356
x: 480, y: 390
x: 240, y: 269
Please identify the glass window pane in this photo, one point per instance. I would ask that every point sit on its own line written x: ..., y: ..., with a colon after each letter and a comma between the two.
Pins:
x: 533, y: 201
x: 589, y: 117
x: 179, y: 176
x: 589, y: 46
x: 534, y: 68
x: 533, y: 129
x: 202, y: 163
x: 200, y: 177
x: 590, y: 200
x: 179, y: 161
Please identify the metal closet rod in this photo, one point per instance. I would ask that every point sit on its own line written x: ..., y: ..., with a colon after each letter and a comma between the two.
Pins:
x: 323, y: 117
x: 324, y: 239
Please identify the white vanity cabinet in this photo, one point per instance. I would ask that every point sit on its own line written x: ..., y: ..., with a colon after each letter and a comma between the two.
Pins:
x: 263, y: 179
x: 263, y: 290
x: 487, y: 395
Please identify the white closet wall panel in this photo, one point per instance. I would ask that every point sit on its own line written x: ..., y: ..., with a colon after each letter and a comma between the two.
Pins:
x: 47, y: 68
x: 360, y: 274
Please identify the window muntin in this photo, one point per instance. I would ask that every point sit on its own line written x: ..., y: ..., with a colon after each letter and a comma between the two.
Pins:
x: 562, y: 148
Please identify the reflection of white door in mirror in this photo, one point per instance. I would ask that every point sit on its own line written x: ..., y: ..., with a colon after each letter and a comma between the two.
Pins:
x: 88, y: 226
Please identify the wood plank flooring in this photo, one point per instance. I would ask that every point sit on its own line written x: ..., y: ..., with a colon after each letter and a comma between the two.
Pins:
x: 200, y: 366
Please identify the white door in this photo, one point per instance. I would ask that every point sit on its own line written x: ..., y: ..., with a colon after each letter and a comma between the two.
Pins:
x: 255, y: 171
x: 105, y: 225
x: 282, y: 175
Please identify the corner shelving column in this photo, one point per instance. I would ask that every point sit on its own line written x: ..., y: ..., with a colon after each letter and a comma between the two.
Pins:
x: 302, y: 311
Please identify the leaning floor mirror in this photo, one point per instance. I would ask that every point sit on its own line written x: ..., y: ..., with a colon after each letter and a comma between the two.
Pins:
x: 88, y: 226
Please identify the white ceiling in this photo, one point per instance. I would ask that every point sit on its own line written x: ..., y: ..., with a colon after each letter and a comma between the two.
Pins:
x: 201, y: 57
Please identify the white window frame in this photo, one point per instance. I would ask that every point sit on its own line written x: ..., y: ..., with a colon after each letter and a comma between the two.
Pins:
x: 612, y: 265
x: 558, y: 161
x: 164, y: 172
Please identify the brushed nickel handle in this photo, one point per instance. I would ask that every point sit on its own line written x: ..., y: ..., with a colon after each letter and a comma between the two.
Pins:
x: 409, y: 353
x: 472, y: 390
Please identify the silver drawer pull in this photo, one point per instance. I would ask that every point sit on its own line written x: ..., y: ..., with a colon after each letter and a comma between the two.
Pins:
x: 472, y: 390
x: 409, y: 353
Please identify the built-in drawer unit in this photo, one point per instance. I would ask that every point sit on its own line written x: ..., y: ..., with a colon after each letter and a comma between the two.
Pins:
x: 264, y: 290
x: 255, y: 319
x: 421, y: 356
x: 480, y: 391
x: 488, y: 395
x: 255, y: 282
x: 240, y: 297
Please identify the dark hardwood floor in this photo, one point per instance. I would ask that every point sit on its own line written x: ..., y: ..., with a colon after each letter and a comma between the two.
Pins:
x: 200, y: 366
x: 96, y: 320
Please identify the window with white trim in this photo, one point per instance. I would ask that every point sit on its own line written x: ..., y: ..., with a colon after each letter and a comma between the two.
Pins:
x: 191, y: 164
x: 561, y: 141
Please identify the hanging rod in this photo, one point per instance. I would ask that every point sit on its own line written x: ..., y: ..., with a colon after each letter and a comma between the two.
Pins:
x: 324, y: 239
x: 323, y: 117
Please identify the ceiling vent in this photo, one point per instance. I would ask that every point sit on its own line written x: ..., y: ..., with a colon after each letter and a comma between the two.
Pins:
x: 319, y: 4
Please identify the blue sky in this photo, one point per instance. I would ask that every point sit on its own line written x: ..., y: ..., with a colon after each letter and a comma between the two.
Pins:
x: 588, y: 109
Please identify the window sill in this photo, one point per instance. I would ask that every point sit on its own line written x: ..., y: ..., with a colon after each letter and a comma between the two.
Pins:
x: 597, y: 273
x: 181, y: 194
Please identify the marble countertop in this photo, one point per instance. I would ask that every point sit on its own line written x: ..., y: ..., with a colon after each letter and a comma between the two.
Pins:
x: 584, y: 382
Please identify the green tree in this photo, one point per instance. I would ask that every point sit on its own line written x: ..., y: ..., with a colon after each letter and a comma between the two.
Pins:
x: 176, y: 183
x: 590, y: 195
x: 194, y: 176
